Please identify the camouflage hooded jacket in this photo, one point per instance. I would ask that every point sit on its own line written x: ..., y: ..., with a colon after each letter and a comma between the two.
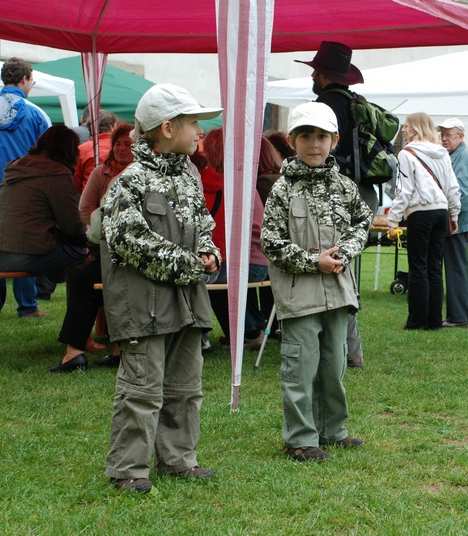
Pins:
x: 332, y: 198
x: 130, y: 238
x: 310, y: 210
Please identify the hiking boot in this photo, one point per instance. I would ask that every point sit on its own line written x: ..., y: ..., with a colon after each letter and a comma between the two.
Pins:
x: 306, y: 454
x: 197, y: 472
x: 139, y: 485
x: 346, y: 443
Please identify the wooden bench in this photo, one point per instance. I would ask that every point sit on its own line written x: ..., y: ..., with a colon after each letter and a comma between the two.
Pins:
x: 212, y: 286
x: 14, y: 275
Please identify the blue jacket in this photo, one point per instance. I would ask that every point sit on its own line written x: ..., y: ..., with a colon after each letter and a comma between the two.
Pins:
x: 459, y: 159
x: 21, y: 124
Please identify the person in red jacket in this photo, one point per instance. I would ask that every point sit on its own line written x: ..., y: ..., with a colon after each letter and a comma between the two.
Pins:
x: 86, y: 162
x: 213, y: 185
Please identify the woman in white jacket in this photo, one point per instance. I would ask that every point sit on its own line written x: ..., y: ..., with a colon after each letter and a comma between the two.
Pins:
x: 428, y: 197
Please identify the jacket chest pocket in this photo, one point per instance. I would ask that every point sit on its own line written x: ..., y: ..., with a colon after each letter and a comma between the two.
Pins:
x: 156, y: 215
x: 298, y: 221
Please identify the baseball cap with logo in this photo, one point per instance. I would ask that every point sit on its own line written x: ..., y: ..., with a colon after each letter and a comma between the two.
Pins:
x: 163, y: 102
x: 452, y: 122
x: 313, y: 114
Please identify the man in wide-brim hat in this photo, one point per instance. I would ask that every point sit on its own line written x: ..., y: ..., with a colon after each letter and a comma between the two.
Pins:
x: 333, y: 73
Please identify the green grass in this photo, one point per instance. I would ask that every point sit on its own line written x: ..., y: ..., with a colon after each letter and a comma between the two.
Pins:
x: 409, y: 404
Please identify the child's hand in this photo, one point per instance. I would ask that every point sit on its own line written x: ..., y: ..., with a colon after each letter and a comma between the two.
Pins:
x: 328, y: 263
x: 209, y: 262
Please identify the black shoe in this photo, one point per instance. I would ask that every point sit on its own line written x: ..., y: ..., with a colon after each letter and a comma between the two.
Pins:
x: 77, y: 363
x: 140, y: 485
x: 110, y: 361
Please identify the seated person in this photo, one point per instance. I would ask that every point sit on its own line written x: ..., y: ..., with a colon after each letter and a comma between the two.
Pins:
x: 83, y: 301
x: 40, y: 227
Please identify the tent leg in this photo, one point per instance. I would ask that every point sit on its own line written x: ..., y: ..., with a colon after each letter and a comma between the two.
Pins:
x: 265, y: 338
x: 235, y: 395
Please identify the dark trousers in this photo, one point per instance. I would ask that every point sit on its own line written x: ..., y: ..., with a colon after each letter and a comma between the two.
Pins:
x: 45, y: 287
x: 83, y: 303
x: 254, y: 319
x: 427, y: 231
x: 456, y: 277
x: 52, y: 264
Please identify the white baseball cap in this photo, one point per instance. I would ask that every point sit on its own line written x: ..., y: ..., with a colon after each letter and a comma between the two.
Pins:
x: 313, y: 114
x: 163, y: 102
x: 452, y: 122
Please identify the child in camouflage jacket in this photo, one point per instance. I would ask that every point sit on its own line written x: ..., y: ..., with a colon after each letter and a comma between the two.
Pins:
x: 157, y: 247
x: 315, y: 222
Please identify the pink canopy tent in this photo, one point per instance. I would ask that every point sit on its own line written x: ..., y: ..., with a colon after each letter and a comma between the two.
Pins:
x: 186, y: 26
x: 243, y: 32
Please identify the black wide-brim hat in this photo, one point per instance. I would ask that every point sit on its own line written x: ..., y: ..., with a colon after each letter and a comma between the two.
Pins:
x: 334, y: 61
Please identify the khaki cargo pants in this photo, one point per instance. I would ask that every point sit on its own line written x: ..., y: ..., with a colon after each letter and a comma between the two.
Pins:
x: 156, y: 405
x: 313, y: 352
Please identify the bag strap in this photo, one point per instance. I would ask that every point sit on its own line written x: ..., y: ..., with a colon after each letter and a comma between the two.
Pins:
x: 217, y: 203
x: 356, y: 156
x: 425, y: 166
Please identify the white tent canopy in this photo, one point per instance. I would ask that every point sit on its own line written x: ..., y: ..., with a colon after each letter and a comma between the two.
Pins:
x: 437, y: 86
x: 47, y: 85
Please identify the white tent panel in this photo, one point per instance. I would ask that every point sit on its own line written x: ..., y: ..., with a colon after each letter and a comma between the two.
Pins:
x: 437, y: 86
x: 47, y: 85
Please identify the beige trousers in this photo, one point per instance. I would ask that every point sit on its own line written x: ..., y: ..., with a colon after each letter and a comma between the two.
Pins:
x: 156, y: 405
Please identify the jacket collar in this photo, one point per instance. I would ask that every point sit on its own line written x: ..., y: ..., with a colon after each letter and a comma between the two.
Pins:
x: 295, y: 169
x: 167, y: 163
x: 15, y: 90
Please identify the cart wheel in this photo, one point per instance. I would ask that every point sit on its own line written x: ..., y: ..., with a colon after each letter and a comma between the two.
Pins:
x: 397, y: 287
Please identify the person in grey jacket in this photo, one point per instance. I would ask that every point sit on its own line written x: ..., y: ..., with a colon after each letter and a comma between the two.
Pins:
x: 156, y: 250
x: 455, y: 260
x: 315, y: 222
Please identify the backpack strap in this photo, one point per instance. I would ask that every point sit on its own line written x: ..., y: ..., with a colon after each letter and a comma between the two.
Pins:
x: 355, y: 133
x: 356, y: 156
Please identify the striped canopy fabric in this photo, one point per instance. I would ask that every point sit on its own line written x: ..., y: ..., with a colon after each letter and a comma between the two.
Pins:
x: 454, y: 11
x: 244, y: 41
x: 94, y: 65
